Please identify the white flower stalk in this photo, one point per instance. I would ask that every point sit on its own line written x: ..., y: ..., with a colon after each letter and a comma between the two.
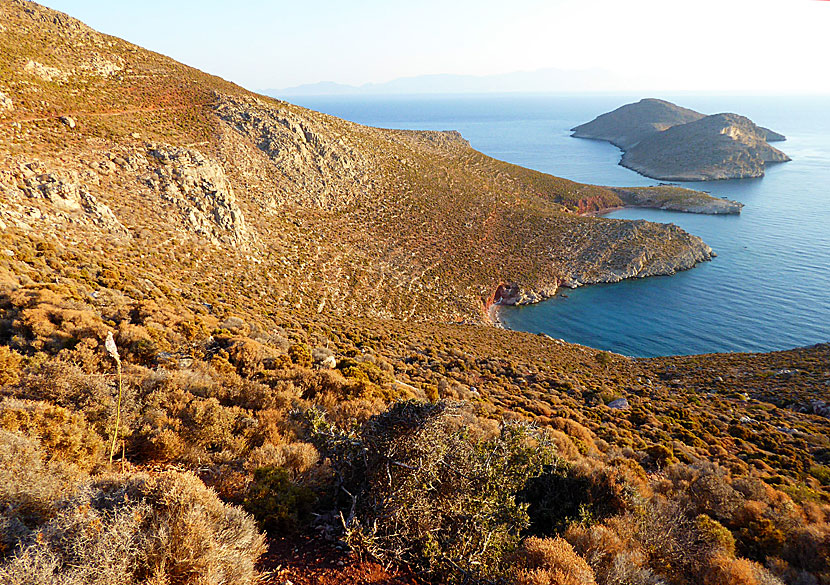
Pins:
x: 112, y: 350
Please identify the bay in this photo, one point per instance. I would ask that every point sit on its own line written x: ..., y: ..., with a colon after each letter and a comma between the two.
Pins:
x: 769, y: 287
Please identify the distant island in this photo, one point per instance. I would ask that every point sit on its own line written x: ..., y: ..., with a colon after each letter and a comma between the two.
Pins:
x: 541, y: 80
x: 664, y: 141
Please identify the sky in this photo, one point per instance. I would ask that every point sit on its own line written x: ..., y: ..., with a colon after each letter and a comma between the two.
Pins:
x: 762, y: 46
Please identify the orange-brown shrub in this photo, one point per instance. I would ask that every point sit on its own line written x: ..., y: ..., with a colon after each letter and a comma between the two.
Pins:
x: 10, y: 362
x: 725, y: 570
x: 551, y: 561
x: 63, y: 434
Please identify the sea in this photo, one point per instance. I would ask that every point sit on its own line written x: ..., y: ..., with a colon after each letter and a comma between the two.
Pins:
x: 767, y: 289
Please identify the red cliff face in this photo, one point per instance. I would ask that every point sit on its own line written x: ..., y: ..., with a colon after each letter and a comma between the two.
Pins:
x: 592, y: 204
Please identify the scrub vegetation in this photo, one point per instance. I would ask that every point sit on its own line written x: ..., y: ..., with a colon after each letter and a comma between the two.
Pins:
x: 296, y: 304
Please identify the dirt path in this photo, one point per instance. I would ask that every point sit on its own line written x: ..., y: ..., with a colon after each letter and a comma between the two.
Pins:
x: 305, y: 561
x: 106, y: 114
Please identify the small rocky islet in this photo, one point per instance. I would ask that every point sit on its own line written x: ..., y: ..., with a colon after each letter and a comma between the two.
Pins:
x: 664, y: 141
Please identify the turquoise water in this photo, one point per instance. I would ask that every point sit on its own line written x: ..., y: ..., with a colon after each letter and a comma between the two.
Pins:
x: 769, y: 287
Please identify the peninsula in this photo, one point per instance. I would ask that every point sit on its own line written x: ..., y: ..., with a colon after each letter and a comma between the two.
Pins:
x: 664, y: 141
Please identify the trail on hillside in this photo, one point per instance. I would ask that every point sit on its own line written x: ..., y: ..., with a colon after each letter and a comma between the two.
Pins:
x: 107, y: 114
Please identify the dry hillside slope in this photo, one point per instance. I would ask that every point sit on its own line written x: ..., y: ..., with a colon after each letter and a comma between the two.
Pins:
x: 201, y: 287
x: 134, y: 150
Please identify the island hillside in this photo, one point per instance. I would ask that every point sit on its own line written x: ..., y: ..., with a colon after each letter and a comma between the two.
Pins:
x: 722, y: 146
x: 245, y: 342
x: 667, y: 142
x: 629, y: 124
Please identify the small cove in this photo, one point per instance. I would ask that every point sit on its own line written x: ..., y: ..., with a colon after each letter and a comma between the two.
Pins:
x: 769, y: 287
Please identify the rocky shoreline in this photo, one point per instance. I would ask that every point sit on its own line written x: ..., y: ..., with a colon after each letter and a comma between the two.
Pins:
x: 673, y: 198
x: 515, y: 294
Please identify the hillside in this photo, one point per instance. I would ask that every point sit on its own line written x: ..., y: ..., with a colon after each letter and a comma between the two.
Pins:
x: 664, y: 141
x: 245, y: 342
x: 629, y: 124
x: 309, y: 202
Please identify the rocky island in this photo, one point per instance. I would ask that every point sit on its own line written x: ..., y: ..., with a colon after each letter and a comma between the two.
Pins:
x: 664, y: 141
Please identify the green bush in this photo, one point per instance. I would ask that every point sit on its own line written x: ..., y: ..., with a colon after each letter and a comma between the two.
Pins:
x: 421, y: 490
x: 565, y: 494
x: 300, y: 354
x: 278, y: 504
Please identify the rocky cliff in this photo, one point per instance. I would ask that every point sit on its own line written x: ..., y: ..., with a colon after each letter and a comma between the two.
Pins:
x: 664, y: 141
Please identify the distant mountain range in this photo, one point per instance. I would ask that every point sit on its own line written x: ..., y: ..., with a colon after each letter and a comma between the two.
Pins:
x: 542, y: 80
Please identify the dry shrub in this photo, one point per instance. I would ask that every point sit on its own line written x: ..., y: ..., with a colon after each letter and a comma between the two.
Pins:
x: 295, y: 458
x: 161, y: 529
x: 67, y: 385
x: 552, y: 561
x: 565, y: 447
x: 668, y: 536
x: 236, y: 326
x: 581, y: 436
x: 31, y: 488
x: 724, y: 570
x: 136, y: 343
x: 63, y: 434
x: 707, y: 488
x: 47, y: 322
x: 10, y: 362
x: 80, y: 545
x: 612, y: 553
x: 247, y: 355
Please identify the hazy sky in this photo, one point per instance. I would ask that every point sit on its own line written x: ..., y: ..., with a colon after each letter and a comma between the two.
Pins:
x: 728, y: 45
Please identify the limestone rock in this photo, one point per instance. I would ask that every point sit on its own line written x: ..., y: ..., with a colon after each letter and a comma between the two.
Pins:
x: 629, y: 124
x: 6, y: 103
x: 200, y: 190
x: 322, y: 167
x: 723, y: 146
x: 619, y: 404
x: 673, y: 198
x: 36, y: 193
x: 45, y: 72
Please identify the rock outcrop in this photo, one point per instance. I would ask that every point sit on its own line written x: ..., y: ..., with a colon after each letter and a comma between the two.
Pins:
x: 200, y: 190
x: 320, y: 166
x: 664, y: 141
x: 34, y: 194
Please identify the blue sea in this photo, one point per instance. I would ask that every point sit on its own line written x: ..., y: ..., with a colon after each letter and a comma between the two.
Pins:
x: 768, y: 288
